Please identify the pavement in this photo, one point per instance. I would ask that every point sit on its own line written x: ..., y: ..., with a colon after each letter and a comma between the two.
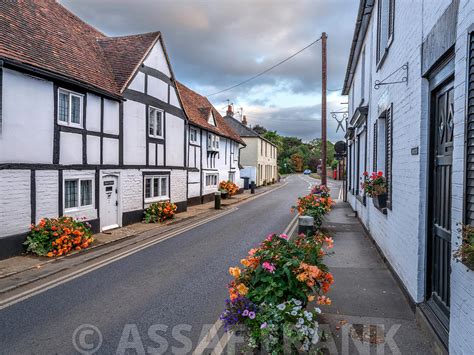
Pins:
x: 162, y: 293
x: 369, y: 312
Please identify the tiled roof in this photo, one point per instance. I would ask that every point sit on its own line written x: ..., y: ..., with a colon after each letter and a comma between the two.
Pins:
x: 124, y: 54
x: 240, y: 128
x: 198, y: 107
x: 45, y: 35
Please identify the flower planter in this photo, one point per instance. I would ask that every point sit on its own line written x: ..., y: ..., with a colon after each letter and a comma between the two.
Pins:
x: 225, y: 195
x: 380, y: 201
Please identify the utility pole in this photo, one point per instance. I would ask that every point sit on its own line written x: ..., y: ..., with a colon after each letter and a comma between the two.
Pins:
x: 323, y: 109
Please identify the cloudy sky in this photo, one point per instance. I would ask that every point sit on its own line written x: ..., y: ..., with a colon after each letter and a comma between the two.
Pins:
x: 214, y: 44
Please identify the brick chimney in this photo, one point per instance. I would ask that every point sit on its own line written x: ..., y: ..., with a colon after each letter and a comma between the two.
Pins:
x: 244, y: 120
x: 229, y: 112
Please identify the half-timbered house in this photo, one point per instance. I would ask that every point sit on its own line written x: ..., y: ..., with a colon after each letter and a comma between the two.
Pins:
x: 90, y: 126
x: 213, y: 148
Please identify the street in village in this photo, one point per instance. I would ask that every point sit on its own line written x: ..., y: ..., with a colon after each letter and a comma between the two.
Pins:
x: 167, y: 297
x: 237, y: 177
x: 178, y: 282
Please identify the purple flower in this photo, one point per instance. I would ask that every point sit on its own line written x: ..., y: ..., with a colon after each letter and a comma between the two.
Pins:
x: 264, y: 325
x: 245, y: 313
x: 251, y: 315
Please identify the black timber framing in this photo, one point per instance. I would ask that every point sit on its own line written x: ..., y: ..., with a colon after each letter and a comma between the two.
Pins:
x: 152, y: 101
x: 30, y: 166
x: 156, y: 74
x: 33, y: 196
x: 101, y: 130
x: 83, y: 131
x: 1, y: 94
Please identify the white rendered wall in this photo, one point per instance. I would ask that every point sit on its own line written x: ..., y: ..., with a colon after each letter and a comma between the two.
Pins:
x: 93, y: 112
x: 110, y: 151
x: 174, y: 140
x: 27, y: 119
x: 157, y: 88
x: 93, y: 150
x: 156, y: 59
x: 134, y: 135
x: 138, y: 82
x: 111, y: 116
x: 70, y: 145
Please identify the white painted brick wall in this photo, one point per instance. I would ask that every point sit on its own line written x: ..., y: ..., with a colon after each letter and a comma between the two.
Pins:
x: 178, y: 185
x: 132, y: 190
x: 402, y: 234
x: 47, y: 193
x: 461, y: 340
x: 397, y: 233
x: 15, y: 207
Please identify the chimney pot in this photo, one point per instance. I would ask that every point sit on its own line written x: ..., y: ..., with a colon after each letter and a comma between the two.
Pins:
x: 244, y: 120
x: 230, y: 112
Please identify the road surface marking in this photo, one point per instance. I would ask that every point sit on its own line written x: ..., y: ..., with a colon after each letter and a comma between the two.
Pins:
x: 97, y: 265
x: 222, y: 342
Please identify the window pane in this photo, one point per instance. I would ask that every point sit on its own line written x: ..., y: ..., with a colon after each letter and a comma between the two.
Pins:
x: 86, y: 192
x: 147, y: 187
x: 158, y: 122
x: 75, y: 109
x: 164, y: 186
x: 156, y: 191
x: 63, y: 107
x: 151, y: 123
x: 70, y: 194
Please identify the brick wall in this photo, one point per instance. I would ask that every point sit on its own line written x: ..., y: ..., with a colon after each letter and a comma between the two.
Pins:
x: 15, y: 207
x: 46, y: 194
x: 178, y: 185
x: 461, y: 340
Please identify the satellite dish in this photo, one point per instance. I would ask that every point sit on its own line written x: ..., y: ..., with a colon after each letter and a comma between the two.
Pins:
x: 340, y: 147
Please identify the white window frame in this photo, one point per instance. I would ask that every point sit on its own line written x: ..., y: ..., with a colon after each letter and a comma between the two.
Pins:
x: 212, y: 142
x: 213, y: 180
x: 79, y: 207
x: 155, y: 127
x: 70, y: 95
x: 191, y: 130
x: 160, y: 196
x: 232, y: 176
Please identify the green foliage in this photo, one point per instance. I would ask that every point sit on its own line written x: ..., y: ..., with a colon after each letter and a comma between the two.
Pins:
x: 465, y: 252
x: 287, y: 147
x: 159, y: 212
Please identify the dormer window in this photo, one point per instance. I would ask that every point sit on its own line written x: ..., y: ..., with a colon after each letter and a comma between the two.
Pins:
x: 69, y: 108
x: 211, y: 119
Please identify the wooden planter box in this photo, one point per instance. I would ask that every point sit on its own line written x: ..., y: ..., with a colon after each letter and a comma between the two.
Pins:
x: 380, y: 201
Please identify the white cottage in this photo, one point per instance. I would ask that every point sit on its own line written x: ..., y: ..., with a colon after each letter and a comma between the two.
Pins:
x: 410, y: 83
x: 213, y: 148
x: 90, y: 126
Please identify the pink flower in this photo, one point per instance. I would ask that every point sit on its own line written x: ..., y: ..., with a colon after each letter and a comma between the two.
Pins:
x: 269, y: 237
x: 284, y: 236
x: 269, y: 267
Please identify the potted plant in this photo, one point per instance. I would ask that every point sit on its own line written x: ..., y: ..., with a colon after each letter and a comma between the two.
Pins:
x: 224, y: 193
x: 465, y: 252
x: 375, y: 186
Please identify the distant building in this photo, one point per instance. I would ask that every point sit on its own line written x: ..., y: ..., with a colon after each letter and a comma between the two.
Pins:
x: 410, y: 81
x: 259, y: 157
x: 213, y: 148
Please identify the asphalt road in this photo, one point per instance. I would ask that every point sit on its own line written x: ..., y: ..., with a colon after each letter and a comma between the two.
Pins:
x: 159, y: 300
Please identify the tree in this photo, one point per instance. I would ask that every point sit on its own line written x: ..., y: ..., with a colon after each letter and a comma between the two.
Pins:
x: 259, y: 129
x: 297, y: 161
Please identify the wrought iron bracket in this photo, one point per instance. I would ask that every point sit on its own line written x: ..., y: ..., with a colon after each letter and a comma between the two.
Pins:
x: 344, y: 114
x: 404, y: 79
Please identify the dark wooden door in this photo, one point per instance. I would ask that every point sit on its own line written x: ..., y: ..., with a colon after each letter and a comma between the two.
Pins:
x: 439, y: 237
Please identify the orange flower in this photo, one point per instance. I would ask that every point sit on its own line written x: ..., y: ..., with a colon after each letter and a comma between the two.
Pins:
x: 243, y: 290
x: 311, y: 298
x: 234, y: 271
x: 324, y: 300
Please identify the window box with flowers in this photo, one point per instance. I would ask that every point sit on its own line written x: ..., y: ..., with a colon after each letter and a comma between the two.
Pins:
x: 465, y: 252
x: 375, y: 186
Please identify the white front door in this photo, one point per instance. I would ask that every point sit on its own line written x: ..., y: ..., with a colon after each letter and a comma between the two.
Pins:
x: 110, y: 202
